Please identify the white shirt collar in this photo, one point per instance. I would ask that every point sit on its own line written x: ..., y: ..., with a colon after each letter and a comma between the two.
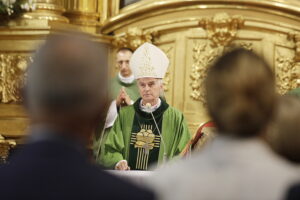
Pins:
x: 127, y: 80
x: 152, y: 108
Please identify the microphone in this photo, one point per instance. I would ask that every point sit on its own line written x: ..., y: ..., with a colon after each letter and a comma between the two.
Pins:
x: 148, y: 107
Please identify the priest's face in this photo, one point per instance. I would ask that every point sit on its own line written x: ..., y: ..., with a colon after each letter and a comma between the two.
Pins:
x: 149, y: 89
x: 123, y: 58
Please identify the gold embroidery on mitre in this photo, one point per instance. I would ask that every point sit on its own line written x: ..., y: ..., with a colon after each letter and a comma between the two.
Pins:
x: 146, y: 69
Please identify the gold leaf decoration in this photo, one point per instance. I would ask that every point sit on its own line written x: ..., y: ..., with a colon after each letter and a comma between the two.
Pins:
x: 222, y: 28
x: 167, y: 78
x: 12, y: 76
x: 287, y: 73
x: 203, y: 55
x: 134, y: 38
x: 5, y: 146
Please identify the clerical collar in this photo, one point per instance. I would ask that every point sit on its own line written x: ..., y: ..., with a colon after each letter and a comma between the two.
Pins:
x: 152, y: 108
x: 159, y: 111
x: 126, y: 80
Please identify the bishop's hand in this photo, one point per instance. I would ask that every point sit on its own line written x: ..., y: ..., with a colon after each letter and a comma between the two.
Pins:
x: 122, y: 165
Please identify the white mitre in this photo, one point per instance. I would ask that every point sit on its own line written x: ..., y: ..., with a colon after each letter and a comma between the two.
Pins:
x: 148, y: 61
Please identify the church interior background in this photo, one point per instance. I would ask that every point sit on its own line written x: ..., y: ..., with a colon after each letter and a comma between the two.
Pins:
x: 191, y: 32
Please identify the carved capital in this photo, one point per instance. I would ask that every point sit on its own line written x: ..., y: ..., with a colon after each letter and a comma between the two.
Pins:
x: 222, y: 28
x: 12, y: 76
x: 5, y: 146
x: 133, y: 38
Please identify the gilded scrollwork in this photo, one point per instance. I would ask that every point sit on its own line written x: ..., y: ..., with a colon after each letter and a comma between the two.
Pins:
x: 5, y: 146
x: 12, y: 76
x: 134, y: 38
x: 221, y: 31
x: 203, y: 55
x: 167, y: 79
x: 222, y: 28
x: 244, y: 44
x: 287, y: 73
x: 296, y: 38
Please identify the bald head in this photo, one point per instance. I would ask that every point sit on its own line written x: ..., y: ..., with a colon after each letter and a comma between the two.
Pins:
x: 68, y: 78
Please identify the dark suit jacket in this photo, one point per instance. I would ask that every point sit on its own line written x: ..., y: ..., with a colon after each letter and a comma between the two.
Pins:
x: 294, y: 192
x: 56, y: 169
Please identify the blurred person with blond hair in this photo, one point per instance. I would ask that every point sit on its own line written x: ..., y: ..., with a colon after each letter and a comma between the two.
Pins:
x: 237, y: 164
x: 65, y: 96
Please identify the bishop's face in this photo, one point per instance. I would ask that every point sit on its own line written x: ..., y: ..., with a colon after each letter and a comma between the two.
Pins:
x: 149, y: 89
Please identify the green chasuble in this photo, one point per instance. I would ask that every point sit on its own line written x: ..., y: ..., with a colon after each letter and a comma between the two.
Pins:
x: 135, y: 138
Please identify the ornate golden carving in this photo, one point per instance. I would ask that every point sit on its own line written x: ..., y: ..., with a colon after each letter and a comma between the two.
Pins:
x: 287, y: 73
x: 245, y: 45
x: 221, y: 31
x: 203, y: 55
x: 167, y: 79
x: 288, y: 68
x: 296, y: 38
x: 222, y: 28
x: 134, y: 38
x: 12, y: 76
x: 5, y: 146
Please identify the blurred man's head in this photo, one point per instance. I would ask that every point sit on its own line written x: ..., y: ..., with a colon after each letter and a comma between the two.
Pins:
x: 123, y: 58
x: 67, y: 82
x: 240, y: 93
x: 150, y: 89
x: 284, y: 132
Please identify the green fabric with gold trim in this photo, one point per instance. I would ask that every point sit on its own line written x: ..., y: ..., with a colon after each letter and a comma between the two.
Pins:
x: 121, y: 142
x: 145, y: 137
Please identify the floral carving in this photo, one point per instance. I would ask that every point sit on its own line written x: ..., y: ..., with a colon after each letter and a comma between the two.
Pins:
x: 203, y: 55
x: 167, y: 78
x: 12, y: 76
x: 287, y: 73
x: 221, y: 31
